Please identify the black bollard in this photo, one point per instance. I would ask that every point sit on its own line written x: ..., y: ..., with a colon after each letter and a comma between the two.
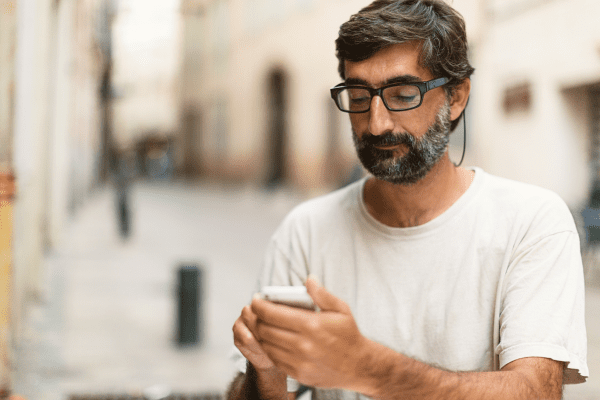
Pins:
x: 189, y: 318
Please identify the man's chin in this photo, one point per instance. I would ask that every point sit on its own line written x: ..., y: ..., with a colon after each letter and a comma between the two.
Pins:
x: 395, y: 171
x: 397, y: 180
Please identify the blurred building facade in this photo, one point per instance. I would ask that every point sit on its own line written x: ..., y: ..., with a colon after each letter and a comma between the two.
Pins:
x: 255, y: 91
x: 51, y: 65
x: 255, y: 80
x: 535, y: 99
x: 256, y: 107
x: 8, y: 22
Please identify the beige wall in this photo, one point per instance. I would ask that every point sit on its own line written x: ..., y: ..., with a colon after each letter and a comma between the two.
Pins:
x: 297, y: 37
x: 30, y: 142
x: 55, y: 133
x: 553, y: 45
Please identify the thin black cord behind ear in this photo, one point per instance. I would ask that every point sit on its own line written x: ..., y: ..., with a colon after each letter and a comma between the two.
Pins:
x: 464, y: 115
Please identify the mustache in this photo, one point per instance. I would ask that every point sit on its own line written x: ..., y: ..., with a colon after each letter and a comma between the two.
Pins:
x: 387, y: 139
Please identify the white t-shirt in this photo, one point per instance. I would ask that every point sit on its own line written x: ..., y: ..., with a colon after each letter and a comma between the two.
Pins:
x: 495, y: 278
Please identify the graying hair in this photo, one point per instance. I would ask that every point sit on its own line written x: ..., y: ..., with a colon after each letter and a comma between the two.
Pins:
x: 438, y: 28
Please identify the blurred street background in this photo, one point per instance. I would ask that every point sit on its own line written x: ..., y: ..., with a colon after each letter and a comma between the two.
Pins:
x: 141, y: 136
x: 107, y: 322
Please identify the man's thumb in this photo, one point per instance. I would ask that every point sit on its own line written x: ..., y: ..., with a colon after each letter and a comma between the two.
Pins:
x: 322, y: 298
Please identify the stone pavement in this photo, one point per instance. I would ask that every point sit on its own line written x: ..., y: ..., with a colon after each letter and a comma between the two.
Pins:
x: 106, y: 320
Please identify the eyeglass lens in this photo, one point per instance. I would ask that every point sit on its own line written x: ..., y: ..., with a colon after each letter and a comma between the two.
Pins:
x: 400, y: 97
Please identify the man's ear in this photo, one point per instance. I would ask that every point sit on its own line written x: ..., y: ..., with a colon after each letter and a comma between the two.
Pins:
x: 459, y: 99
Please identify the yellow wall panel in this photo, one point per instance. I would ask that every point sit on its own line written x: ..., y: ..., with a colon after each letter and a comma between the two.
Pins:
x: 7, y: 189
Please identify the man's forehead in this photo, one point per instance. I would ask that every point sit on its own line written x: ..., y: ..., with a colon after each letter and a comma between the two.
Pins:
x: 395, y: 62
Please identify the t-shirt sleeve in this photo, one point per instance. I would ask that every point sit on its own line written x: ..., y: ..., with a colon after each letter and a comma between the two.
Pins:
x: 542, y: 309
x: 280, y: 268
x: 286, y: 259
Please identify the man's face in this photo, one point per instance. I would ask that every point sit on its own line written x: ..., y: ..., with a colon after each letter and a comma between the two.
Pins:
x: 422, y: 154
x: 399, y: 146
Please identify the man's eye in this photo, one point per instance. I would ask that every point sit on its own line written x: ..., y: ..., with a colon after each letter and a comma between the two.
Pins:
x: 403, y: 99
x: 359, y: 100
x: 402, y: 95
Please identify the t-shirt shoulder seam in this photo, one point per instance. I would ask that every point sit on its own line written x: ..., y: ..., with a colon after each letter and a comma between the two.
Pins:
x: 546, y: 236
x: 291, y: 262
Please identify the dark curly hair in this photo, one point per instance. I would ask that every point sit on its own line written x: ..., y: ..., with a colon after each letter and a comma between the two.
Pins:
x: 438, y: 28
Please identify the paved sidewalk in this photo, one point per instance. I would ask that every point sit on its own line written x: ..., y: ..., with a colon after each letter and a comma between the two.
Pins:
x: 107, y: 320
x: 107, y: 324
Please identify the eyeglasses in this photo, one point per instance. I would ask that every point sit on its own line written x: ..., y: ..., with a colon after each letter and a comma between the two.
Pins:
x: 396, y: 97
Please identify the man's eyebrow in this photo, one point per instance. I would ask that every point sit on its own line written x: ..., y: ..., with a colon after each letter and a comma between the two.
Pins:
x: 403, y: 79
x: 356, y: 81
x: 396, y: 79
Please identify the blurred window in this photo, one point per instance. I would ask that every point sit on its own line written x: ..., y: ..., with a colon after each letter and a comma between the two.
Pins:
x: 517, y: 98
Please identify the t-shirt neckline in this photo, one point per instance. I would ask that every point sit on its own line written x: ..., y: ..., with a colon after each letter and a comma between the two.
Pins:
x: 454, y: 210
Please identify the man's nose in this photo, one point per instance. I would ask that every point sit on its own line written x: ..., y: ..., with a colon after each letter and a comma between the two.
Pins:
x: 380, y: 118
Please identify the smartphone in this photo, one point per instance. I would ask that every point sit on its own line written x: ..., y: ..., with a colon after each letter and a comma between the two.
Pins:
x: 293, y: 296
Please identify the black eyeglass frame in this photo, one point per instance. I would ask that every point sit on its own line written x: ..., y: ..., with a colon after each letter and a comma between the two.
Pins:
x: 423, y: 87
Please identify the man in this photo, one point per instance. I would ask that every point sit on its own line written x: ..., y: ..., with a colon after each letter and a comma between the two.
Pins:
x: 437, y: 282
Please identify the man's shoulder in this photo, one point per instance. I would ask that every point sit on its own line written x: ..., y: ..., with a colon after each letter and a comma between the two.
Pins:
x: 508, y: 190
x: 339, y: 199
x: 328, y: 207
x: 527, y: 202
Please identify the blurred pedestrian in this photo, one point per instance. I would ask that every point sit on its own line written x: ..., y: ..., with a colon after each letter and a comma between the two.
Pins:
x: 437, y: 281
x: 124, y: 174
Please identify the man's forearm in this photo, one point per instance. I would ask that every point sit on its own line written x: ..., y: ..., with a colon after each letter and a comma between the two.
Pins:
x: 254, y: 385
x: 385, y: 374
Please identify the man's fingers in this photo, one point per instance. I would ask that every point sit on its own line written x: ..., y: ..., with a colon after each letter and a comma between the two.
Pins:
x: 283, y: 358
x: 276, y: 336
x: 278, y: 315
x: 250, y: 348
x: 242, y: 336
x: 325, y: 300
x: 249, y: 319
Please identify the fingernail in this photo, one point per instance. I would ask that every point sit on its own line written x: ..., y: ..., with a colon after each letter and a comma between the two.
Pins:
x: 256, y: 296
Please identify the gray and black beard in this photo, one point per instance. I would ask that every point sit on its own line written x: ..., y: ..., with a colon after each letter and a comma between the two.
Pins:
x: 422, y: 153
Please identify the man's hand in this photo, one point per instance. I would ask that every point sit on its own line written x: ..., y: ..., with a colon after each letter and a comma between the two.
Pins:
x: 244, y: 338
x: 327, y: 350
x: 318, y: 349
x: 262, y: 379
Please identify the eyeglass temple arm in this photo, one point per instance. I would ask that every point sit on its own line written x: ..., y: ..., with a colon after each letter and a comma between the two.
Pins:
x: 436, y: 83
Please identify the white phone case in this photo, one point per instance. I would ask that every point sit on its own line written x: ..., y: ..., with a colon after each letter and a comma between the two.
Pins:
x: 293, y: 296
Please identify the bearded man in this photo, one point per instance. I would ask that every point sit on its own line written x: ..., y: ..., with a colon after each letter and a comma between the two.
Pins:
x: 436, y: 281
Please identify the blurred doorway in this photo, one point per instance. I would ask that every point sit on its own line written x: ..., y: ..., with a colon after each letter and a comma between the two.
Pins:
x: 591, y: 211
x: 192, y: 137
x: 277, y: 86
x: 595, y: 135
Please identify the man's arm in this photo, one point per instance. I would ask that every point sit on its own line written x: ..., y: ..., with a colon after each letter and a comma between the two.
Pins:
x: 252, y: 386
x: 327, y: 350
x: 386, y: 373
